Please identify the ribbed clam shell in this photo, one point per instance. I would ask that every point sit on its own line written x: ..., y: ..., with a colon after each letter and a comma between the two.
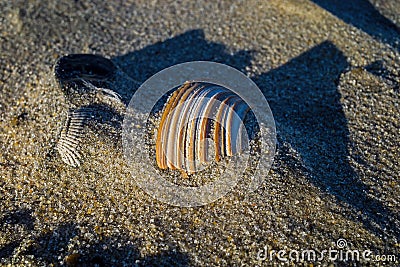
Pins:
x: 195, y: 116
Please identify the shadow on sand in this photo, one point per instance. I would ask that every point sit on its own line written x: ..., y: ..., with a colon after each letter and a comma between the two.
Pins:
x: 364, y: 16
x: 305, y: 101
x: 51, y: 248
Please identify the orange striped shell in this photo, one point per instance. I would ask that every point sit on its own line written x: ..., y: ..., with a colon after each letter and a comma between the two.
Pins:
x: 200, y: 122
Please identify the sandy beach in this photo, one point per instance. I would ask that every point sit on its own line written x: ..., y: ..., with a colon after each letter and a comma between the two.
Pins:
x: 330, y: 71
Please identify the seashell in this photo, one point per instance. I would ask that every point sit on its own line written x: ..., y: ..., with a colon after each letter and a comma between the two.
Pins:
x: 87, y: 80
x: 81, y: 76
x: 71, y: 136
x: 196, y: 115
x: 70, y: 70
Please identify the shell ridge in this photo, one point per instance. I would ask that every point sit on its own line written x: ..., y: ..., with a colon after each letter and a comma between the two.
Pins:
x: 180, y: 127
x: 194, y: 137
x: 161, y: 139
x: 205, y: 116
x: 71, y: 135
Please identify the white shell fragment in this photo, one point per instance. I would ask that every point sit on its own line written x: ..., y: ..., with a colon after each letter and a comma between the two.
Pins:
x: 200, y: 122
x: 107, y: 92
x: 71, y: 136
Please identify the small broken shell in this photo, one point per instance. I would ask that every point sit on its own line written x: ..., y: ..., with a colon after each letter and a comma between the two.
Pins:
x: 71, y: 136
x: 72, y: 69
x: 87, y: 80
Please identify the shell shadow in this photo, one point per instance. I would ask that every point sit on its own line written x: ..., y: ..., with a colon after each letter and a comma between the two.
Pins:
x: 305, y: 101
x: 364, y: 16
x: 189, y: 46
